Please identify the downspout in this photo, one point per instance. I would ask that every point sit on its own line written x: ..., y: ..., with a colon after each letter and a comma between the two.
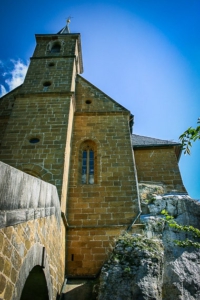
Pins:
x: 138, y: 197
x: 62, y: 289
x: 134, y: 220
x: 136, y: 178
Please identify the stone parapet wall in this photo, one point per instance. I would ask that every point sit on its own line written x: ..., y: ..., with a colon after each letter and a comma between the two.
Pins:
x: 13, y: 217
x: 30, y: 210
x: 26, y: 195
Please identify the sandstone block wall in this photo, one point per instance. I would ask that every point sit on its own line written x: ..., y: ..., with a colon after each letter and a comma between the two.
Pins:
x: 112, y: 200
x: 159, y: 165
x: 43, y: 117
x: 3, y: 125
x: 54, y: 67
x: 94, y: 211
x: 6, y: 106
x: 42, y: 110
x: 30, y: 209
x: 15, y: 244
x: 88, y: 248
x: 59, y: 75
x: 100, y: 102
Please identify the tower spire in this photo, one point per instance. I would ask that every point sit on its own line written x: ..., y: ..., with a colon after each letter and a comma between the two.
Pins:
x: 66, y: 28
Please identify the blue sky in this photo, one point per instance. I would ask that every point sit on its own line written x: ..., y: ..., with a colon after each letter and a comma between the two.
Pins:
x: 145, y: 54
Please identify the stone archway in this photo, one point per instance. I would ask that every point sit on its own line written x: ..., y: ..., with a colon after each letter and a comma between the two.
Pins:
x: 34, y: 258
x: 35, y: 287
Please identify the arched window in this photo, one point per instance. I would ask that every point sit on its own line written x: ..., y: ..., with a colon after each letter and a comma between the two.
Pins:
x: 56, y: 48
x: 88, y: 163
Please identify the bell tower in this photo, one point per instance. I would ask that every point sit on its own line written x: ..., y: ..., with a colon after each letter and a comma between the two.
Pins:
x: 38, y: 135
x: 56, y: 61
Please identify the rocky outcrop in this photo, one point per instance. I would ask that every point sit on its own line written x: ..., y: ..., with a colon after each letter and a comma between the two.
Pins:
x: 181, y: 270
x: 134, y: 270
x: 152, y: 266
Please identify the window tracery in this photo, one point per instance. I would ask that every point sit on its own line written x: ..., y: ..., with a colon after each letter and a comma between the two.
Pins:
x: 88, y: 164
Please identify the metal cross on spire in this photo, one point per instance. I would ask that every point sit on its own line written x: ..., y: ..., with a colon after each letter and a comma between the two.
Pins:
x: 66, y: 28
x: 68, y: 22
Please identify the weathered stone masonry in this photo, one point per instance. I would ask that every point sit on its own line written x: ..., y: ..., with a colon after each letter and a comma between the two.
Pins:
x: 45, y: 125
x: 98, y: 212
x: 159, y: 165
x: 30, y: 221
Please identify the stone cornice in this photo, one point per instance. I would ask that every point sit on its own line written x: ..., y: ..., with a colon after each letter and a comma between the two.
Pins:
x: 101, y: 113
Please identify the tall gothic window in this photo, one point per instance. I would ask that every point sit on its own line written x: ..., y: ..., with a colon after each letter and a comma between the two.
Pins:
x: 88, y: 163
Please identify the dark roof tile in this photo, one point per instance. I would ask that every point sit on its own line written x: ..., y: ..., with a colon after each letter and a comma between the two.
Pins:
x: 145, y: 141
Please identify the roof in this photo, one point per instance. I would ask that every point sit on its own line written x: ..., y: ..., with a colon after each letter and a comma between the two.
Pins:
x: 64, y: 30
x: 12, y: 91
x: 139, y: 141
x: 145, y: 141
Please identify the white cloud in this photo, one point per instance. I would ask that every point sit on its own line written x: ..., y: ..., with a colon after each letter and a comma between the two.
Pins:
x: 2, y: 90
x: 16, y: 75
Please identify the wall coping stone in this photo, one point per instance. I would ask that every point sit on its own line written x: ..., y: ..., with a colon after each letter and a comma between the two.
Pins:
x: 17, y: 216
x: 24, y: 197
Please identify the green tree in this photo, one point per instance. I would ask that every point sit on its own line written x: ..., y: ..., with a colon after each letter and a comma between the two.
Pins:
x: 189, y: 136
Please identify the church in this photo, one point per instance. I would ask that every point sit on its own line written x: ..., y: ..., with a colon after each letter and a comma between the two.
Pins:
x: 70, y: 172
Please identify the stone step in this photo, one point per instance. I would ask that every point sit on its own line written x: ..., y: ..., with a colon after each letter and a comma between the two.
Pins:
x: 137, y: 228
x: 80, y: 289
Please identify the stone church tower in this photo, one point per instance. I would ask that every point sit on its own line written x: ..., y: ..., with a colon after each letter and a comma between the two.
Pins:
x: 63, y: 130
